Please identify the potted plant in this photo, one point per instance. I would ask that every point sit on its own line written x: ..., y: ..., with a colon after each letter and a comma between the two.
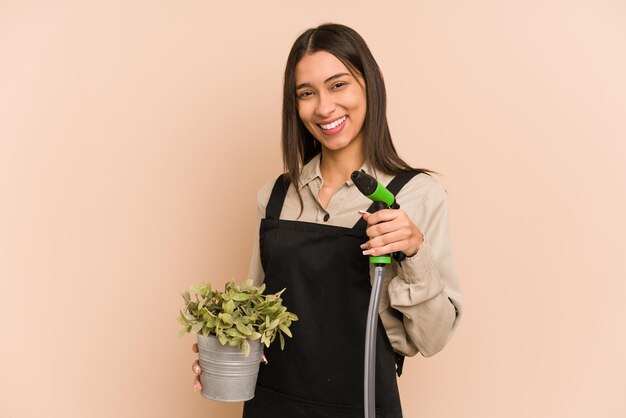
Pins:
x: 231, y: 327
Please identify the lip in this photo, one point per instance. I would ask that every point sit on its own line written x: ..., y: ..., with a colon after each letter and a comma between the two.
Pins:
x: 336, y: 129
x: 326, y: 122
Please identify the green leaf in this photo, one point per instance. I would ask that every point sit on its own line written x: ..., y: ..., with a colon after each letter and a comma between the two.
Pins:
x: 188, y: 316
x: 222, y: 338
x: 186, y: 296
x: 265, y: 340
x: 284, y: 329
x: 226, y: 317
x: 270, y: 311
x: 241, y: 297
x: 243, y: 329
x: 282, y: 341
x: 182, y: 332
x: 273, y: 324
x: 245, y: 347
x: 196, y: 327
x: 232, y: 332
x: 229, y: 306
x: 211, y: 322
x: 254, y: 336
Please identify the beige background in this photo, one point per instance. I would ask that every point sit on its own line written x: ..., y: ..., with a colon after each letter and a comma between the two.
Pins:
x: 134, y: 135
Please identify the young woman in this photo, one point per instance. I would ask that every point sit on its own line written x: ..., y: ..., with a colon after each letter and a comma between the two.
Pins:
x: 314, y: 238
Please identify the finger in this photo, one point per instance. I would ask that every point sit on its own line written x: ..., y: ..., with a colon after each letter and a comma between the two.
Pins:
x: 196, y: 367
x: 194, y: 347
x: 264, y: 359
x: 383, y: 228
x: 383, y: 215
x: 197, y: 386
x: 387, y: 239
x: 383, y: 234
x: 387, y: 249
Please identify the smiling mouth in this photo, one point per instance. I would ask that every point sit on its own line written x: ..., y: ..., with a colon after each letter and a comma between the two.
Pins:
x: 333, y: 124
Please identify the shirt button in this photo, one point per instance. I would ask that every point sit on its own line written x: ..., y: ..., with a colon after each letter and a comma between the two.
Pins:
x: 326, y: 217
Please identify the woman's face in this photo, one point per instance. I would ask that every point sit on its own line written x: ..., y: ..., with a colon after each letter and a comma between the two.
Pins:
x: 331, y: 102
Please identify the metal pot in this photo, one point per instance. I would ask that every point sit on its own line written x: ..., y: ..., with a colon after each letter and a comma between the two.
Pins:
x: 227, y: 374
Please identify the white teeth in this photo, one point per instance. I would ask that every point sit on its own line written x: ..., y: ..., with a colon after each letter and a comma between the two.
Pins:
x: 334, y: 124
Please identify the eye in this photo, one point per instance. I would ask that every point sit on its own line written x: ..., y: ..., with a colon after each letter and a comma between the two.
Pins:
x: 304, y: 94
x: 339, y: 84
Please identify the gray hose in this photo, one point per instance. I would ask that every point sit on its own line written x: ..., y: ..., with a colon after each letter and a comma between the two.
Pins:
x: 370, y: 343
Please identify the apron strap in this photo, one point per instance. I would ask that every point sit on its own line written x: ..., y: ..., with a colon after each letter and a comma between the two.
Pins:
x: 277, y: 198
x: 394, y: 186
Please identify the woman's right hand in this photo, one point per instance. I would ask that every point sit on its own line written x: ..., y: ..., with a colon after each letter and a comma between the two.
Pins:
x: 197, y: 386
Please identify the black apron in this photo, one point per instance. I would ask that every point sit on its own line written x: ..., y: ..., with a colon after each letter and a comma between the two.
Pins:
x: 320, y: 372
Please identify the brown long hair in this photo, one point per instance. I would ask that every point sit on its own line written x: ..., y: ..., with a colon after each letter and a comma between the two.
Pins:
x: 298, y: 144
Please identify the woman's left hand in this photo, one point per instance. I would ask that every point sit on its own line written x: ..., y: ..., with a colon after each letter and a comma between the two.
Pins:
x: 390, y: 231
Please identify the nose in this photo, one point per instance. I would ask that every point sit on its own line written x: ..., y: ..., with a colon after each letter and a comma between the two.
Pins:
x: 325, y: 105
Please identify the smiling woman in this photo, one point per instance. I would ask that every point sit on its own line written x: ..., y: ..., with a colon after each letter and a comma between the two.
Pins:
x: 331, y: 101
x: 314, y: 235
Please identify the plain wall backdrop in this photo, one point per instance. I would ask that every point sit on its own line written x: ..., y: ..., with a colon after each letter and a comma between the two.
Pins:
x: 135, y: 134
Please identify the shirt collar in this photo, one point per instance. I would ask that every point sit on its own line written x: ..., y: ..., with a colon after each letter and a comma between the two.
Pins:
x: 311, y: 171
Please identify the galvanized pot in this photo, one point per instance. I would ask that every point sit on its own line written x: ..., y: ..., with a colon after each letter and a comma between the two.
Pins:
x: 227, y: 374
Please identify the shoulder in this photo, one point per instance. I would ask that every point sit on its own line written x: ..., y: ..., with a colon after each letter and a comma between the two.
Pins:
x: 264, y: 193
x: 423, y: 188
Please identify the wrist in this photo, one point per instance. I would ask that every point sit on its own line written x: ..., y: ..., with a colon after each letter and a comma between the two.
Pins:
x: 416, y: 250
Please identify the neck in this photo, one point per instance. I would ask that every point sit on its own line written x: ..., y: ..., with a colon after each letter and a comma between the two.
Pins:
x: 336, y: 167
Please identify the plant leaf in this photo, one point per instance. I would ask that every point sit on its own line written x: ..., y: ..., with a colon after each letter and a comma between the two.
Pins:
x: 188, y: 316
x: 245, y: 347
x: 265, y: 340
x: 229, y: 306
x: 232, y: 332
x: 226, y: 317
x: 186, y: 296
x: 196, y: 327
x: 270, y: 310
x: 285, y: 329
x: 241, y: 297
x: 243, y: 329
x: 273, y: 324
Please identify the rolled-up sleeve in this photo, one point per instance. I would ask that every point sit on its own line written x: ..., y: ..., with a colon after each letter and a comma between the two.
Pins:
x: 426, y: 289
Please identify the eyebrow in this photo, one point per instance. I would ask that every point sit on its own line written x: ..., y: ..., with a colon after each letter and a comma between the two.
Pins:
x: 332, y: 77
